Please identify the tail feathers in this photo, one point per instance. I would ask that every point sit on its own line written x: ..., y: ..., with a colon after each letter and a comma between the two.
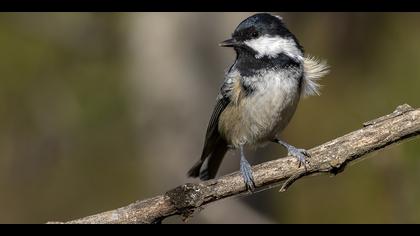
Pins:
x: 212, y: 164
x: 207, y: 169
x: 195, y: 170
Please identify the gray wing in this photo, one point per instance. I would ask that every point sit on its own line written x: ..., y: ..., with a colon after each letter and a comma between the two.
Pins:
x: 212, y: 134
x: 215, y: 146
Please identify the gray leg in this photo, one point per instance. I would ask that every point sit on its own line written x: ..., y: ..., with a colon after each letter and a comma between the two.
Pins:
x: 246, y: 171
x: 300, y: 154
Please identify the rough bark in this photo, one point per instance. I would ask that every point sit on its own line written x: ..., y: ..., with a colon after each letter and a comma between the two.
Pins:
x: 331, y: 157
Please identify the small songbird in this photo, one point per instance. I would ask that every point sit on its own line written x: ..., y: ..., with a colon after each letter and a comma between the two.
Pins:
x: 259, y: 95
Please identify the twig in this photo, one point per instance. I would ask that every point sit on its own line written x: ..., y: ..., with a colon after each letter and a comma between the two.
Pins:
x: 330, y: 157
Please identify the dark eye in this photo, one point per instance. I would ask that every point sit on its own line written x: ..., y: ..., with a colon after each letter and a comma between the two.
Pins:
x: 254, y: 34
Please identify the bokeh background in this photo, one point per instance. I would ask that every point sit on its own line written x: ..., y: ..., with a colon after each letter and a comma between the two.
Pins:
x: 98, y: 110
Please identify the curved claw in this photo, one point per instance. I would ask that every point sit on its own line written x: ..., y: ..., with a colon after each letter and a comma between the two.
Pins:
x: 300, y: 154
x: 249, y: 182
x: 246, y: 172
x: 304, y: 152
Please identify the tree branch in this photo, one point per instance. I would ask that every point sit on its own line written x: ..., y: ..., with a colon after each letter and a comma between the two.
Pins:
x: 330, y: 157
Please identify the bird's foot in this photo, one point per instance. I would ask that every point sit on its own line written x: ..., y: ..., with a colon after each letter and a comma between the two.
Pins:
x: 246, y: 172
x: 300, y: 154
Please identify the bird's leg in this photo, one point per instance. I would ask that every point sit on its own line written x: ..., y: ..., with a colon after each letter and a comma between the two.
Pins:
x: 300, y: 154
x: 246, y: 171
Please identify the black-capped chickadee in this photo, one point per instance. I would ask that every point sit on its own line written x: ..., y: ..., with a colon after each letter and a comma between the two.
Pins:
x: 259, y: 95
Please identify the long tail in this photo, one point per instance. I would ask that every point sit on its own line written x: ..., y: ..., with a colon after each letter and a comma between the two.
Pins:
x: 206, y: 168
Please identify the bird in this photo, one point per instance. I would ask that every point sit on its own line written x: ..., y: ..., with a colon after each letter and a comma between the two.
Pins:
x: 259, y: 94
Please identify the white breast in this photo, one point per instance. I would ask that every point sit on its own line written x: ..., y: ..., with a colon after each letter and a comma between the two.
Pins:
x: 269, y: 109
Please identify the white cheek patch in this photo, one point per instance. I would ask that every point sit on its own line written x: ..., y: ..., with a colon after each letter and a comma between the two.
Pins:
x: 272, y: 46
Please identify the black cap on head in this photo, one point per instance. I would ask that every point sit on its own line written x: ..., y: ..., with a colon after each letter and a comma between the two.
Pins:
x: 261, y: 24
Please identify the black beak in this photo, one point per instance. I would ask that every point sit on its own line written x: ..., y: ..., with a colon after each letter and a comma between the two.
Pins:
x: 229, y: 43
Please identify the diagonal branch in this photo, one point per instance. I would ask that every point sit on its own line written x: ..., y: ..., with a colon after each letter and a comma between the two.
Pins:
x: 330, y: 157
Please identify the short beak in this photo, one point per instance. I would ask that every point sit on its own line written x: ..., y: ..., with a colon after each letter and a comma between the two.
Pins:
x: 229, y: 43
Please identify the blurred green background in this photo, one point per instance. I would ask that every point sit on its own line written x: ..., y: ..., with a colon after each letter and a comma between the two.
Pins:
x: 98, y: 110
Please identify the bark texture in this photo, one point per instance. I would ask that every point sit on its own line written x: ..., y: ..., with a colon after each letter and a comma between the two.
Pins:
x: 331, y: 157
